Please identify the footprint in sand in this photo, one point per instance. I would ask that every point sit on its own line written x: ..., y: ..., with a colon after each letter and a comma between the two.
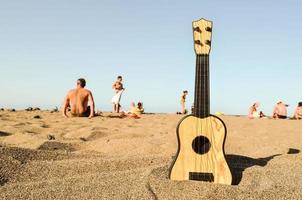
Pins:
x: 94, y: 136
x: 30, y: 132
x: 99, y: 128
x: 293, y: 151
x: 4, y: 118
x: 22, y: 124
x: 45, y: 126
x: 4, y: 134
x: 56, y: 146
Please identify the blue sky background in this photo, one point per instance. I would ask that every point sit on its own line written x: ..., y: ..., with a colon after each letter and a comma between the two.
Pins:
x: 46, y: 45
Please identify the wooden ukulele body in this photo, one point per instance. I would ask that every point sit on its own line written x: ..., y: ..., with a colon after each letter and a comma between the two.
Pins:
x: 200, y: 153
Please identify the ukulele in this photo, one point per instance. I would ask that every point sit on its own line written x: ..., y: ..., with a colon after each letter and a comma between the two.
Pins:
x: 201, y: 136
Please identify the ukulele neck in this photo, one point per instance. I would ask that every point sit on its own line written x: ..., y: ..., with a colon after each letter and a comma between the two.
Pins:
x: 202, y: 87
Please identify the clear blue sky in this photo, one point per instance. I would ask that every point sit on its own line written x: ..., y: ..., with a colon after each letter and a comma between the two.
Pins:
x: 46, y: 45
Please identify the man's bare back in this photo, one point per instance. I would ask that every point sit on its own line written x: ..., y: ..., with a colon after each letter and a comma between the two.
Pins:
x: 80, y: 101
x: 298, y: 112
x: 280, y: 110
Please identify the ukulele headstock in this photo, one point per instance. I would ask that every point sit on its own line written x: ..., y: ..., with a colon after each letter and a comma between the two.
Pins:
x: 202, y: 34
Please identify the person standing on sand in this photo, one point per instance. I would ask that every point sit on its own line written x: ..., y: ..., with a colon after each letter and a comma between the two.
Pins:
x: 80, y: 101
x: 280, y: 111
x: 183, y: 102
x: 118, y: 89
x: 298, y: 112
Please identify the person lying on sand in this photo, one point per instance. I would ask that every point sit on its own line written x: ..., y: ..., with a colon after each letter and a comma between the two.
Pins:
x: 118, y: 88
x: 135, y: 111
x: 253, y: 113
x: 298, y: 112
x: 280, y: 111
x: 80, y: 101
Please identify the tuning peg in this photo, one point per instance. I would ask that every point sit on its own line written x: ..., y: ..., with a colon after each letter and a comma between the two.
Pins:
x: 209, y: 29
x: 197, y: 29
x: 208, y: 42
x: 198, y: 42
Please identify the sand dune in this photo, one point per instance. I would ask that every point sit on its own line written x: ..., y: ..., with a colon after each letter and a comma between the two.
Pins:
x: 112, y: 158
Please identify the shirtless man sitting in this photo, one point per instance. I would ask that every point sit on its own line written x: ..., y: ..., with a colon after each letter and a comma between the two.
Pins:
x: 78, y: 100
x: 280, y: 111
x: 298, y: 112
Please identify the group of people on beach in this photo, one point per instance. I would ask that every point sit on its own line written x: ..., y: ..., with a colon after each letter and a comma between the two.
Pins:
x: 79, y: 102
x: 279, y: 111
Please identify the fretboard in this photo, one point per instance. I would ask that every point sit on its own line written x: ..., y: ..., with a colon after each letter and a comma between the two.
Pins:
x: 202, y: 87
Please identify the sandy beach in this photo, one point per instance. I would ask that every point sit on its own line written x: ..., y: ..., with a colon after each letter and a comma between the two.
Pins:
x: 112, y: 158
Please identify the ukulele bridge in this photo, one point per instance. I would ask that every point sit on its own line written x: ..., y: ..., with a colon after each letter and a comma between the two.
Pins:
x: 201, y: 176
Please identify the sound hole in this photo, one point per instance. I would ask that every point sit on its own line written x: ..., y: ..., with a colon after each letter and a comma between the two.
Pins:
x: 201, y: 145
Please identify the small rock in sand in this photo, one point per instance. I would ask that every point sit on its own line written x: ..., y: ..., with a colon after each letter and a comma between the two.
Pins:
x: 51, y: 137
x: 37, y: 117
x: 54, y: 110
x: 29, y: 109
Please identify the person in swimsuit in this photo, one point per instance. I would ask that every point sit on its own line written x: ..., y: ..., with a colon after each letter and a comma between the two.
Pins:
x: 298, y: 112
x: 135, y: 111
x: 183, y: 102
x: 280, y: 110
x: 80, y: 101
x: 118, y: 88
x: 253, y: 113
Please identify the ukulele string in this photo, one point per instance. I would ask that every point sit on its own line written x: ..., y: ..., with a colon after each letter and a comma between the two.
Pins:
x: 203, y: 110
x: 213, y: 137
x: 198, y: 113
x: 211, y: 125
x: 203, y: 122
x: 196, y: 109
x: 207, y: 116
x: 207, y: 113
x: 206, y: 109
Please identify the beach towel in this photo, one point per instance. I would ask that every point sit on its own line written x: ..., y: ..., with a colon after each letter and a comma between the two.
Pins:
x: 117, y: 97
